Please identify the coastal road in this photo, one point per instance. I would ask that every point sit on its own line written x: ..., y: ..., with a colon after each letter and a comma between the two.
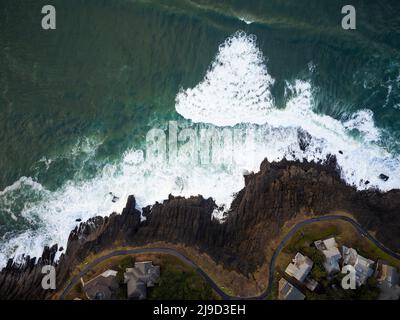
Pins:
x: 172, y: 252
x: 213, y: 285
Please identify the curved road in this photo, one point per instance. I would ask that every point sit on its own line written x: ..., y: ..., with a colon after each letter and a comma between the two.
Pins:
x: 213, y: 285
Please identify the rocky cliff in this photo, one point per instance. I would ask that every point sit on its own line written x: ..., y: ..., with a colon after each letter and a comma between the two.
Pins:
x: 274, y: 195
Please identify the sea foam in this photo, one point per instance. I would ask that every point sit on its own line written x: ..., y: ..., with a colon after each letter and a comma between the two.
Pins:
x: 361, y: 157
x: 236, y: 88
x: 235, y: 93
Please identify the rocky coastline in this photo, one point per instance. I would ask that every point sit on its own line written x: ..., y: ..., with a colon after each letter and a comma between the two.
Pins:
x: 277, y: 193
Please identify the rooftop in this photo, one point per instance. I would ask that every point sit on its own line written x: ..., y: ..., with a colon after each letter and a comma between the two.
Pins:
x: 300, y: 267
x: 363, y: 266
x: 101, y: 287
x: 387, y: 273
x: 289, y: 292
x: 331, y: 252
x: 143, y: 275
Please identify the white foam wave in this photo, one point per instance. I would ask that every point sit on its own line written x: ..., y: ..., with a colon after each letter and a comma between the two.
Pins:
x: 23, y: 181
x: 54, y: 216
x: 235, y: 88
x: 246, y: 21
x: 361, y: 157
x: 235, y: 91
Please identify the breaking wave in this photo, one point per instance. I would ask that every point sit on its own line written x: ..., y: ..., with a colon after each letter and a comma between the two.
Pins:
x: 236, y: 88
x: 235, y: 94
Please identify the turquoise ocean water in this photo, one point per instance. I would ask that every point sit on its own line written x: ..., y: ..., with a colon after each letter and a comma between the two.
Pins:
x: 77, y: 102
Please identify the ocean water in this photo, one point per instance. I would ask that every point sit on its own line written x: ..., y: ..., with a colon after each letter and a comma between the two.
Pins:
x: 77, y: 103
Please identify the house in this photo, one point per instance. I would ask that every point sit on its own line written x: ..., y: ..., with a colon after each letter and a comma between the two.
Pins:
x: 363, y: 266
x: 286, y: 291
x: 330, y: 250
x: 139, y: 278
x: 388, y: 281
x: 300, y: 267
x: 101, y: 287
x: 310, y: 284
x: 387, y: 274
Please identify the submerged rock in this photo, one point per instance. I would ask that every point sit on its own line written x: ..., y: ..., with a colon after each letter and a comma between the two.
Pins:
x: 304, y: 139
x: 114, y: 197
x: 383, y: 177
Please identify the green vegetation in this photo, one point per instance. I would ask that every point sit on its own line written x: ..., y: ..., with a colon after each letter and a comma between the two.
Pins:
x: 332, y: 290
x: 314, y: 254
x: 78, y: 288
x: 304, y: 238
x: 177, y: 280
x: 368, y: 249
x: 180, y: 283
x: 275, y: 285
x: 122, y: 289
x: 126, y: 262
x: 76, y: 292
x: 123, y: 264
x: 344, y: 233
x: 330, y: 286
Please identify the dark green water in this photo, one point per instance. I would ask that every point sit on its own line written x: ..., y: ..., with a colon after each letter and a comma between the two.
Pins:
x: 83, y: 94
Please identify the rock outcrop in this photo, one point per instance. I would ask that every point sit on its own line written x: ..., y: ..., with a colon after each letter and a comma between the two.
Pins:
x: 274, y: 195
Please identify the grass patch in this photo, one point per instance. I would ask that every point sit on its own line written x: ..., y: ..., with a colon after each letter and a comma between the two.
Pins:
x: 306, y: 236
x: 76, y: 293
x: 179, y: 282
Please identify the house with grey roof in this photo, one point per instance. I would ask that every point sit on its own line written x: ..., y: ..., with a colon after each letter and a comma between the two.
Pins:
x: 330, y: 250
x: 286, y: 291
x: 386, y: 273
x: 300, y: 267
x: 388, y: 281
x: 139, y: 278
x: 102, y: 287
x: 362, y: 266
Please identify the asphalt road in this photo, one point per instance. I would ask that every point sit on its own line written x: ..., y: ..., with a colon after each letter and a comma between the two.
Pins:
x: 213, y: 285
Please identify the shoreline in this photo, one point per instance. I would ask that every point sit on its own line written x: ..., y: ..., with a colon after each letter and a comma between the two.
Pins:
x: 276, y: 194
x: 226, y: 296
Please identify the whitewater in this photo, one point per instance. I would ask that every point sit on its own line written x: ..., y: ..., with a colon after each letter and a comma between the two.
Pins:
x: 235, y: 93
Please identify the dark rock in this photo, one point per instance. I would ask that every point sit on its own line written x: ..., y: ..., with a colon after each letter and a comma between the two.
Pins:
x: 304, y: 139
x: 114, y: 197
x: 383, y: 177
x: 78, y: 220
x: 279, y: 192
x: 340, y: 151
x: 367, y: 182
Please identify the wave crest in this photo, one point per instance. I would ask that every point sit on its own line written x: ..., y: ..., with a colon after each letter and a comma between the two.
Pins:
x: 236, y: 88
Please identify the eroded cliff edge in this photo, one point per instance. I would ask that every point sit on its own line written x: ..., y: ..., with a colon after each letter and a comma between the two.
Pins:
x: 274, y: 195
